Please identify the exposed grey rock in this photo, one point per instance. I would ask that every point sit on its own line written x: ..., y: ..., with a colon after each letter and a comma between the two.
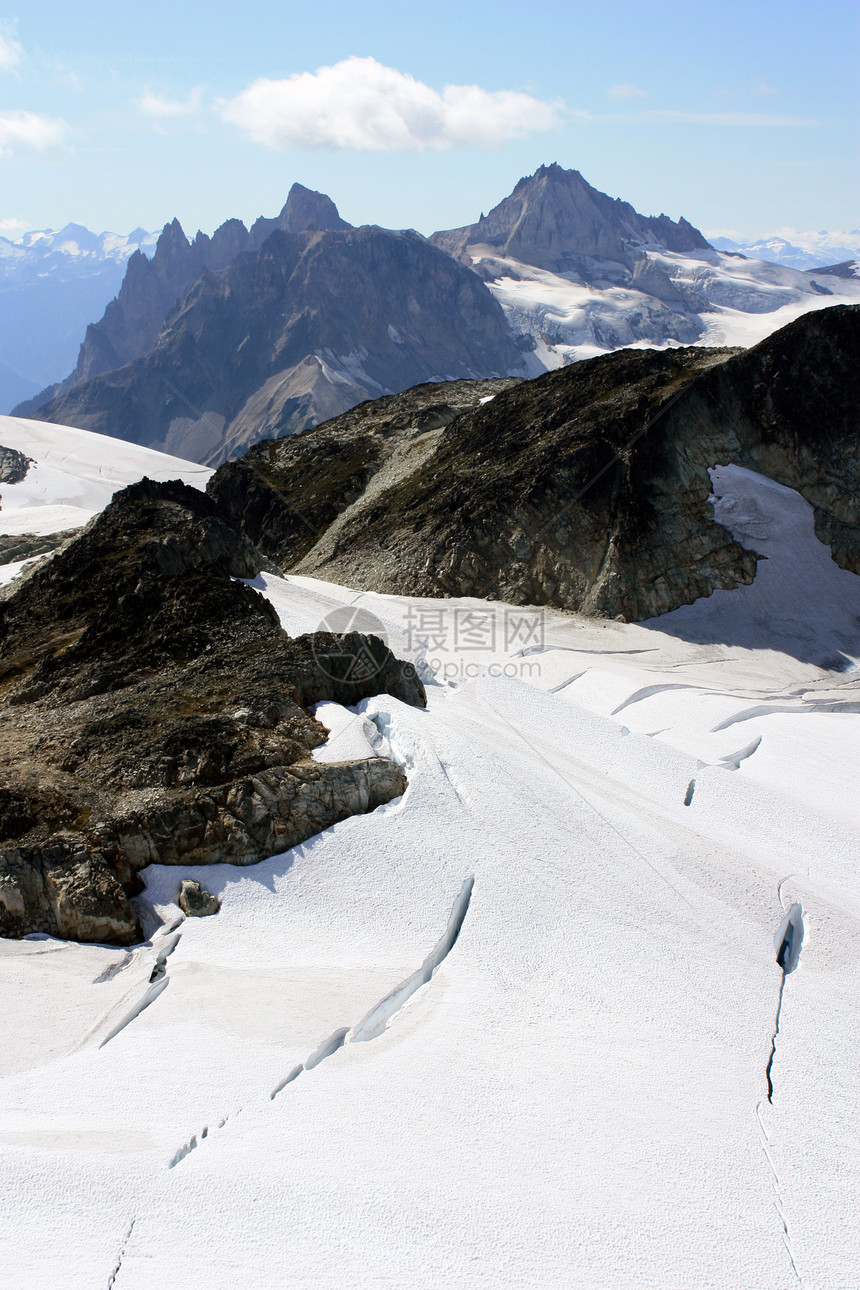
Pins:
x: 847, y: 269
x: 13, y: 465
x: 152, y: 285
x: 295, y: 497
x: 26, y: 546
x: 65, y: 888
x: 555, y: 220
x: 196, y: 901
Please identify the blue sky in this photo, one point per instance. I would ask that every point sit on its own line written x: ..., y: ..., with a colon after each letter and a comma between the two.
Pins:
x: 741, y: 116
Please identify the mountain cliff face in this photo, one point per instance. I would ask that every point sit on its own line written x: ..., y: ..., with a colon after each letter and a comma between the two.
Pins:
x: 306, y: 327
x: 151, y: 286
x: 555, y: 220
x: 584, y: 489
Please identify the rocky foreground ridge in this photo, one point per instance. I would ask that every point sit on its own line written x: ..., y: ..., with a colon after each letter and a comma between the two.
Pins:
x: 152, y: 710
x: 584, y: 489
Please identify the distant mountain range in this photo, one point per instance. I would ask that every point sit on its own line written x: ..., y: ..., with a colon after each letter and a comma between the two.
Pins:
x: 257, y: 333
x: 282, y: 327
x: 798, y: 250
x: 51, y: 285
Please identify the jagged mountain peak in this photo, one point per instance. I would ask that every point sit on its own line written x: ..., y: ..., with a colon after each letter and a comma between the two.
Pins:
x: 171, y: 237
x: 132, y: 320
x: 555, y: 218
x: 286, y: 357
x: 305, y: 208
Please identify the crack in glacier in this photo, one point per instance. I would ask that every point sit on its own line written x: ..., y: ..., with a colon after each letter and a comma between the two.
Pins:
x: 184, y: 1150
x: 113, y: 1276
x: 376, y: 1021
x: 787, y: 942
x: 732, y: 761
x: 648, y: 692
x: 777, y: 1193
x: 769, y: 1068
x: 378, y: 1018
x: 158, y: 982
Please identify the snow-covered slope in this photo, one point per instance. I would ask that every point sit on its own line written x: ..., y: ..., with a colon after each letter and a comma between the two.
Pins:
x: 74, y: 473
x: 524, y: 1027
x: 702, y: 297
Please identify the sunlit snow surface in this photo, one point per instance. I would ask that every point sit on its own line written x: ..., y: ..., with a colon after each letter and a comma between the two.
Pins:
x: 739, y: 302
x: 74, y: 474
x: 577, y: 1094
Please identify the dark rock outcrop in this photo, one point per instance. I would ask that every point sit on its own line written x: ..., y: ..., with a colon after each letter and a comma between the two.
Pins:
x: 13, y: 465
x: 153, y: 710
x: 307, y: 327
x: 584, y: 489
x: 291, y: 499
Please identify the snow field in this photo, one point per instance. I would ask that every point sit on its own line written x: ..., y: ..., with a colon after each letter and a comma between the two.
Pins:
x: 744, y: 301
x: 74, y: 474
x: 614, y: 820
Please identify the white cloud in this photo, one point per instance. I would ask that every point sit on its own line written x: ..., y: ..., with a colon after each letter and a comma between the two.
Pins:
x: 165, y: 109
x: 12, y: 227
x: 11, y: 52
x: 626, y: 91
x: 361, y: 105
x: 766, y: 91
x: 30, y: 130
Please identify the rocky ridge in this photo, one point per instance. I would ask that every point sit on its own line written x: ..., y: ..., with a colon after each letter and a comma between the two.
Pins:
x: 584, y: 489
x: 260, y: 333
x: 152, y: 710
x: 152, y: 285
x: 258, y: 348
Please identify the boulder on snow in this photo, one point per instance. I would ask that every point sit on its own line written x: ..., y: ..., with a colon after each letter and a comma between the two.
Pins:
x: 13, y: 465
x: 196, y: 901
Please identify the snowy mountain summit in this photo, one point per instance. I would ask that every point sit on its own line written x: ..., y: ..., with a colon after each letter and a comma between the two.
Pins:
x: 579, y: 273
